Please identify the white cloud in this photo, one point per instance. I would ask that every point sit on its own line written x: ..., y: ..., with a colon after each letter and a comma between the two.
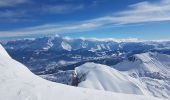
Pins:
x: 4, y: 3
x: 109, y: 39
x: 59, y: 9
x: 9, y: 14
x: 146, y: 12
x: 137, y: 13
x: 17, y: 15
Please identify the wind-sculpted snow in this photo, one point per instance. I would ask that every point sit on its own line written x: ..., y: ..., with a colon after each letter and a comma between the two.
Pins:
x: 18, y: 83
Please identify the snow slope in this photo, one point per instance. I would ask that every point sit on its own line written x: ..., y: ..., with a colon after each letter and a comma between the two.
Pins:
x: 152, y: 70
x: 3, y: 53
x: 146, y: 62
x: 66, y: 46
x: 18, y: 83
x: 102, y: 77
x: 147, y: 74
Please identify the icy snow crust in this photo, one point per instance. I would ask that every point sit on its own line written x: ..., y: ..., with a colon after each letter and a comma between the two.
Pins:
x: 18, y: 83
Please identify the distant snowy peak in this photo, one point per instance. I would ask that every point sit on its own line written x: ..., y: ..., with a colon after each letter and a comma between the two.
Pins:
x: 151, y: 69
x: 93, y: 44
x: 49, y: 43
x: 84, y: 45
x: 146, y: 63
x: 66, y: 46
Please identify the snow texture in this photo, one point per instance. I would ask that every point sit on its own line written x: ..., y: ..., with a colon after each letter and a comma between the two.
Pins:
x: 144, y: 74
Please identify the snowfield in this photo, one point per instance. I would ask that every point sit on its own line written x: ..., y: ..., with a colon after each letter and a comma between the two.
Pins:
x: 18, y: 83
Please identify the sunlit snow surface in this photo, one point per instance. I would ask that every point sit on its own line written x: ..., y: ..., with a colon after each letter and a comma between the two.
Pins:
x: 147, y: 74
x: 152, y: 70
x: 103, y: 77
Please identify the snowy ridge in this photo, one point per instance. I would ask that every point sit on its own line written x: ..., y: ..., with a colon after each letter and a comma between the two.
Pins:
x: 103, y: 77
x: 146, y: 62
x: 49, y: 43
x: 137, y: 76
x: 18, y: 83
x: 91, y: 44
x: 3, y: 53
x: 66, y: 46
x: 152, y: 70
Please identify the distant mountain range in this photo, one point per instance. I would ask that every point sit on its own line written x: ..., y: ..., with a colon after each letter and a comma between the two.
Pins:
x: 50, y: 54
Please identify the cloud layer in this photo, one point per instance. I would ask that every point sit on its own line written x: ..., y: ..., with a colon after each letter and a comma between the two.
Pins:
x: 5, y: 3
x: 25, y: 10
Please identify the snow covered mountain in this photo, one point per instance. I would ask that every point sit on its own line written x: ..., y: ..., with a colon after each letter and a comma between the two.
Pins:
x: 140, y: 64
x: 18, y: 83
x: 62, y: 43
x: 102, y: 77
x: 145, y: 64
x: 44, y: 55
x: 151, y: 69
x: 146, y: 74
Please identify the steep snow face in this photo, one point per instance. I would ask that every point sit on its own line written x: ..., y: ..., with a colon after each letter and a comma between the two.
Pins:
x: 66, y: 46
x: 3, y: 52
x: 49, y: 43
x: 18, y: 83
x: 152, y: 70
x: 102, y: 77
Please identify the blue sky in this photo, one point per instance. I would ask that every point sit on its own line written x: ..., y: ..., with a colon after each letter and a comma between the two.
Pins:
x: 143, y: 19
